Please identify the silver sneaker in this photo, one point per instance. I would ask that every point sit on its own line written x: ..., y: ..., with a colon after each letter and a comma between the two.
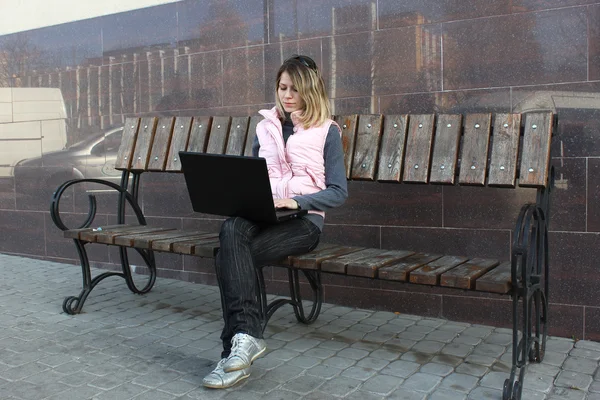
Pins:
x: 244, y: 351
x: 219, y: 379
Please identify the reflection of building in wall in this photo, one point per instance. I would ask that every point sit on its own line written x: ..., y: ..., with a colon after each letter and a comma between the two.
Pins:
x: 381, y: 62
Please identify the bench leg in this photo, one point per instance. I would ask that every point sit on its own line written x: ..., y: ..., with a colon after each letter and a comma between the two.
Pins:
x: 148, y: 257
x: 530, y: 285
x: 73, y: 304
x: 295, y: 300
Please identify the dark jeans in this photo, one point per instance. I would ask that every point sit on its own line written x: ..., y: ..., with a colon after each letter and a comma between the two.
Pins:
x: 246, y: 246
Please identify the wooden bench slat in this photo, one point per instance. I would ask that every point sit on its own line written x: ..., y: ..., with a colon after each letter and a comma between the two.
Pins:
x: 392, y: 148
x: 474, y: 155
x: 348, y: 123
x: 464, y: 275
x: 167, y: 244
x: 206, y: 247
x: 219, y: 132
x: 498, y: 280
x: 199, y: 134
x: 339, y: 264
x: 535, y: 159
x: 368, y: 267
x: 368, y: 137
x: 143, y: 144
x: 445, y: 148
x: 76, y: 233
x: 399, y: 271
x: 418, y: 148
x: 251, y: 134
x: 91, y: 234
x: 181, y: 137
x: 505, y: 150
x: 161, y: 144
x: 145, y: 240
x: 128, y: 140
x: 314, y: 259
x: 430, y: 273
x: 237, y: 136
x: 113, y: 237
x: 203, y: 247
x: 130, y: 239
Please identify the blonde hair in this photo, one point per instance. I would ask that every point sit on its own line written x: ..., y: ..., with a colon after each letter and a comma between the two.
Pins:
x: 307, y: 80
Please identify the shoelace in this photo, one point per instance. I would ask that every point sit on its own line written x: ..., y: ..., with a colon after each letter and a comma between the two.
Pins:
x: 239, y: 340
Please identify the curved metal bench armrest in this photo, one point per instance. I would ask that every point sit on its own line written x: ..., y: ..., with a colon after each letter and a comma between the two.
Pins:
x: 55, y: 209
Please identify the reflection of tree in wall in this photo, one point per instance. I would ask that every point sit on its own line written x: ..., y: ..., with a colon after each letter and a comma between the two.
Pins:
x: 18, y: 58
x: 223, y: 25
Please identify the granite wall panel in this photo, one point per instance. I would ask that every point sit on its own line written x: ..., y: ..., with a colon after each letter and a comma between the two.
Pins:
x: 194, y: 58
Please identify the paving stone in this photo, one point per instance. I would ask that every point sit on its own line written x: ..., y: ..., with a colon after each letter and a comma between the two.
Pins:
x: 382, y: 384
x: 261, y: 385
x: 538, y: 382
x: 359, y: 373
x: 585, y: 353
x: 418, y: 357
x: 560, y: 393
x: 405, y: 394
x: 428, y: 346
x: 484, y: 393
x: 472, y: 369
x: 340, y: 387
x: 544, y: 369
x: 338, y: 362
x: 358, y: 395
x: 490, y: 350
x: 373, y: 363
x: 494, y: 380
x: 587, y: 344
x: 467, y: 339
x: 324, y: 372
x: 442, y: 336
x: 574, y: 380
x: 304, y: 362
x: 401, y: 368
x: 422, y: 382
x: 436, y: 369
x: 458, y: 350
x: 559, y: 345
x: 444, y: 394
x: 579, y: 364
x: 459, y: 382
x: 554, y: 358
x: 480, y: 360
x: 478, y: 331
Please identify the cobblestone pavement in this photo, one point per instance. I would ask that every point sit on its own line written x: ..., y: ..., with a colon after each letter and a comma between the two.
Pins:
x: 160, y: 345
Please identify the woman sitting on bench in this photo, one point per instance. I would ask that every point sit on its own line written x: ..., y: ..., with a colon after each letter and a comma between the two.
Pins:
x: 305, y: 158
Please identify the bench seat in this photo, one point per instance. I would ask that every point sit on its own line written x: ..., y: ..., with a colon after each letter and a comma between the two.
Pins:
x: 478, y: 274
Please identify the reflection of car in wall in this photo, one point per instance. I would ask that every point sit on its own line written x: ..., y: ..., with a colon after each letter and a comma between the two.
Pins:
x: 93, y: 157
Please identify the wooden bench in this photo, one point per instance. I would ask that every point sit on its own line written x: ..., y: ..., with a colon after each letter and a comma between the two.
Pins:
x: 501, y: 150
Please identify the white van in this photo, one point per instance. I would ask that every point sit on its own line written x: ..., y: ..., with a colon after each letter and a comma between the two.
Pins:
x: 32, y: 122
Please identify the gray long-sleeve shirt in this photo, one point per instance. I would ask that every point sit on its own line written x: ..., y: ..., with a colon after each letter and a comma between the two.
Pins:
x: 336, y: 191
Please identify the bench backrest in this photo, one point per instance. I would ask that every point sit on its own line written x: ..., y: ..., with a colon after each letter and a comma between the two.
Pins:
x: 473, y: 149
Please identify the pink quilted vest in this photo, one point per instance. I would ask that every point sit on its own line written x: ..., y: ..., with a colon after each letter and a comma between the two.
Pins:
x: 296, y: 168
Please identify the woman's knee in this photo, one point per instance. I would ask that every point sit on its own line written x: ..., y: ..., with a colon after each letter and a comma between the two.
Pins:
x: 233, y: 227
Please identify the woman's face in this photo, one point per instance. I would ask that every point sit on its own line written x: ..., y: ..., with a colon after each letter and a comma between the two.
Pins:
x: 288, y: 95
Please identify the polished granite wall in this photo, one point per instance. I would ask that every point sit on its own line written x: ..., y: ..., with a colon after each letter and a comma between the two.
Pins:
x: 220, y: 57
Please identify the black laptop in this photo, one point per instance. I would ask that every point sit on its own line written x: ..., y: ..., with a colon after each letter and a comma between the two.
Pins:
x: 232, y: 186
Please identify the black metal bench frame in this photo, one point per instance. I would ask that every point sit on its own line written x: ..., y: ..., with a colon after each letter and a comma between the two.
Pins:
x: 529, y: 272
